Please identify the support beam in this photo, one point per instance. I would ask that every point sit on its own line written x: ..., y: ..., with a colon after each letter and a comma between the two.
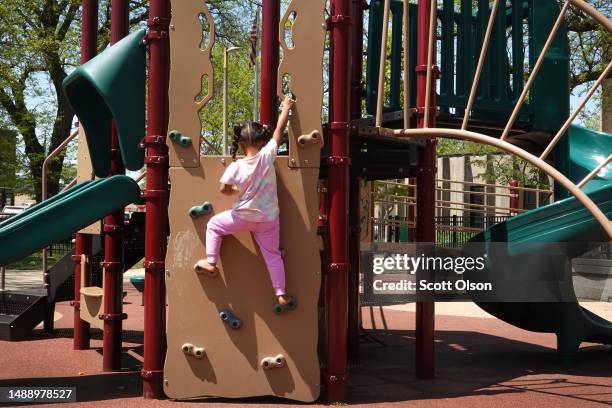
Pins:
x: 89, y: 47
x: 113, y: 230
x: 357, y: 7
x: 156, y: 196
x: 357, y: 10
x: 336, y: 285
x: 353, y: 278
x: 269, y: 62
x: 425, y: 233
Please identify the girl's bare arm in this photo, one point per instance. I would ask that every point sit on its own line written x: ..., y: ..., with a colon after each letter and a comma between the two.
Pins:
x: 283, y: 118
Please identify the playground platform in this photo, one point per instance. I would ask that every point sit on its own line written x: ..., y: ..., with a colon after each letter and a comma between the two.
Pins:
x: 481, y: 362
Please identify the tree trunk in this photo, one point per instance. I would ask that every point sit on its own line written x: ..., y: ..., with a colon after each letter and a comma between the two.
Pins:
x: 606, y: 97
x: 61, y: 127
x: 606, y: 106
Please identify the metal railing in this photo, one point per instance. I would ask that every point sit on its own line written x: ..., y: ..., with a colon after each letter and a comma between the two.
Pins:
x: 394, y: 213
x: 45, y: 170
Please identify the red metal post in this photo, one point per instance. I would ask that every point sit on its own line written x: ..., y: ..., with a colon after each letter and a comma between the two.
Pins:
x: 269, y: 61
x: 156, y: 195
x: 336, y: 287
x: 81, y: 327
x: 89, y: 47
x: 411, y: 210
x: 113, y: 230
x: 354, y: 202
x: 514, y: 197
x: 426, y: 177
x: 356, y: 57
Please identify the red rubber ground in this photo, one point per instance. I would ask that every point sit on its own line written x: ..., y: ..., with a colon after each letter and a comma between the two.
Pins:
x: 480, y: 363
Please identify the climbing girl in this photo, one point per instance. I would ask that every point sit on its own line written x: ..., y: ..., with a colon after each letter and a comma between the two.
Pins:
x: 253, y: 178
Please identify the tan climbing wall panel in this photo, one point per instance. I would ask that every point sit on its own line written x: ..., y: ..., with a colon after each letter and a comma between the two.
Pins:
x: 92, y: 300
x: 84, y: 173
x: 302, y: 63
x: 189, y: 64
x: 231, y: 366
x: 84, y: 169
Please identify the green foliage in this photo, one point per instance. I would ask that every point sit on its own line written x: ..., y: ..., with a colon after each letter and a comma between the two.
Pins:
x: 591, y: 50
x: 240, y: 96
x: 499, y: 167
x: 456, y: 146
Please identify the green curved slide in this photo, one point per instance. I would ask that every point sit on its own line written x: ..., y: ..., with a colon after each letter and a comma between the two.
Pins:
x: 63, y: 214
x: 565, y: 224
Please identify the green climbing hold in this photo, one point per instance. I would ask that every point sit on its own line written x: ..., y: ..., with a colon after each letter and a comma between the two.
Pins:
x: 198, y: 210
x: 179, y: 138
x: 279, y: 309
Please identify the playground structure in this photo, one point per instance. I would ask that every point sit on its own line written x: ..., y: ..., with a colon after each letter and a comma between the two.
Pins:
x: 221, y: 335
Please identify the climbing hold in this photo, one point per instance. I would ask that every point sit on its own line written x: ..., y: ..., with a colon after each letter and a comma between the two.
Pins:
x: 181, y: 139
x: 278, y: 308
x: 310, y: 138
x: 229, y: 318
x: 273, y: 362
x: 198, y: 210
x: 191, y: 350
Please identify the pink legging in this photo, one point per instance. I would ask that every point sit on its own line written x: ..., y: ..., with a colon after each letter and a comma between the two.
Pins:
x: 266, y: 235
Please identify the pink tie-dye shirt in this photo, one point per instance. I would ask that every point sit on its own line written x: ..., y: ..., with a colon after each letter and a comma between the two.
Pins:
x: 255, y: 179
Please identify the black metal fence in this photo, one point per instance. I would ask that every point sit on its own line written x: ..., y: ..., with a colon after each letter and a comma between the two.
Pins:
x: 454, y: 231
x: 61, y: 247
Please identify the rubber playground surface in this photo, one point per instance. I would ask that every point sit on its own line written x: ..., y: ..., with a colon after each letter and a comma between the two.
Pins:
x: 481, y: 362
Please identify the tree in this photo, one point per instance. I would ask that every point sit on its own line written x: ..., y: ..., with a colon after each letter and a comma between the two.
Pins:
x: 39, y: 44
x: 591, y: 51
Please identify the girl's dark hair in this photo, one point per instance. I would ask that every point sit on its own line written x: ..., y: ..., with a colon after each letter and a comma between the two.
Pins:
x: 249, y: 133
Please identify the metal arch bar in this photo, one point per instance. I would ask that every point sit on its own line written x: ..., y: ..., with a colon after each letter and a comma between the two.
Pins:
x: 517, y: 151
x: 45, y: 166
x: 432, y: 34
x: 71, y: 184
x: 481, y: 60
x: 141, y: 176
x: 382, y: 66
x: 579, y: 108
x: 595, y: 171
x: 536, y: 69
x: 209, y: 144
x: 48, y: 159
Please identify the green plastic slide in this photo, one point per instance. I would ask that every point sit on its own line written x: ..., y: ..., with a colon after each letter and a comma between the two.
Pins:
x: 588, y: 149
x: 566, y: 222
x: 62, y: 215
x: 111, y: 87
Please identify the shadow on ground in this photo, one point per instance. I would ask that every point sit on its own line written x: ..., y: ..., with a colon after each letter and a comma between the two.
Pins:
x: 473, y: 364
x: 479, y: 363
